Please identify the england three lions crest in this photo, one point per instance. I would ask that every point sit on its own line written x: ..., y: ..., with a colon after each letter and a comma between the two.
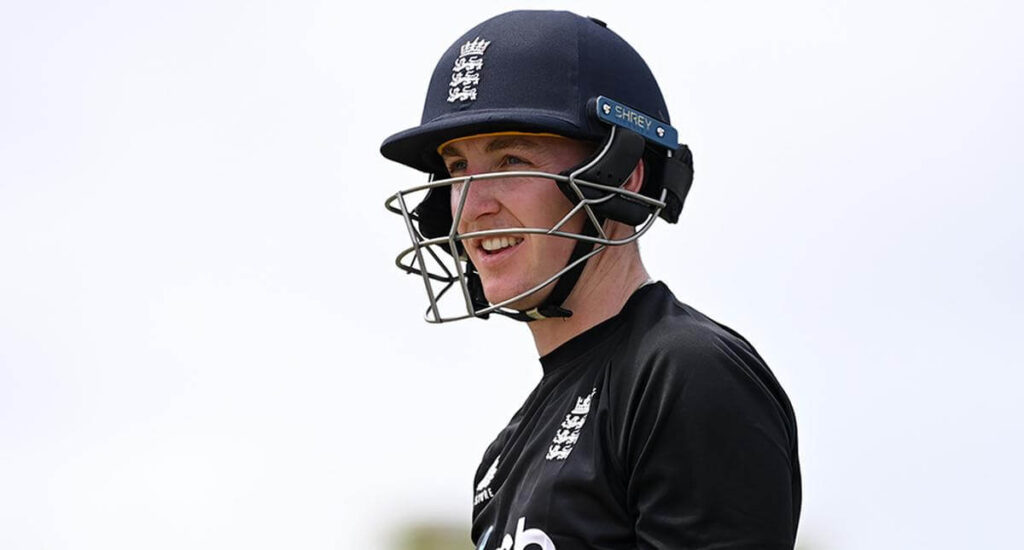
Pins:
x: 569, y: 431
x: 466, y: 71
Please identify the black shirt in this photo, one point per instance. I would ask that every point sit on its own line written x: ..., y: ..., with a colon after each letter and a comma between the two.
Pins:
x: 658, y: 428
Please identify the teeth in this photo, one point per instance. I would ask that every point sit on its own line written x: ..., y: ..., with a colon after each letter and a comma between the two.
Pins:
x: 497, y: 243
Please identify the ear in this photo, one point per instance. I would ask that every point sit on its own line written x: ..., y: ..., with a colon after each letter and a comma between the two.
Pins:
x: 636, y: 179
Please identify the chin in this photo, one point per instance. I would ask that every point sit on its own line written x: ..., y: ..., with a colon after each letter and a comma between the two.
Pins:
x: 497, y: 293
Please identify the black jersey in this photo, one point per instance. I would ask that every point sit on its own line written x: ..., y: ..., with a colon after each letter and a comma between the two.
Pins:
x: 656, y: 429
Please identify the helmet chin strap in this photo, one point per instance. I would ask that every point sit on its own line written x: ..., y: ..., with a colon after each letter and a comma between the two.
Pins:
x: 552, y: 305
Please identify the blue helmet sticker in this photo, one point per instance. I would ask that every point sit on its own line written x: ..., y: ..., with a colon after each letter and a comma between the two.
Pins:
x: 659, y: 132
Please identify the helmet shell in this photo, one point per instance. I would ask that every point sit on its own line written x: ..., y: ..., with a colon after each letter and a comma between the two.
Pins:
x: 528, y: 71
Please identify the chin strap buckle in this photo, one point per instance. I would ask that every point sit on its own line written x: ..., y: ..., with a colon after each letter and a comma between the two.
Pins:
x: 548, y: 311
x: 538, y: 313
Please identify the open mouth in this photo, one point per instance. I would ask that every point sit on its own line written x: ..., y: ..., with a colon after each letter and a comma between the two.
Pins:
x: 493, y: 246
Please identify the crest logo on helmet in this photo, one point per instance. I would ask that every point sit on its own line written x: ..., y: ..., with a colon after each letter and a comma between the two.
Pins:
x: 466, y: 71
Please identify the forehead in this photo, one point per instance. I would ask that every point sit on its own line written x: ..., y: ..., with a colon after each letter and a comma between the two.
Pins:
x: 507, y: 140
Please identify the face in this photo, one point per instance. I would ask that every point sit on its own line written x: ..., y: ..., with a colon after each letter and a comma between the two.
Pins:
x: 512, y: 264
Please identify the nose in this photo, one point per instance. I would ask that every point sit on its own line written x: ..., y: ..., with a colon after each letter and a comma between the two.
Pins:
x: 480, y: 202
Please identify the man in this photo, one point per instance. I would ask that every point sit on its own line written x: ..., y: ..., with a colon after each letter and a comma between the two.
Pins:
x: 550, y: 152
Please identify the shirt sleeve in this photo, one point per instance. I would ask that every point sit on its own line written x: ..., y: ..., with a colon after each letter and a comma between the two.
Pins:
x: 709, y: 451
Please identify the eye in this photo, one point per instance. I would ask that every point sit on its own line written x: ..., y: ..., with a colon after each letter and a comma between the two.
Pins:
x: 457, y: 165
x: 514, y: 161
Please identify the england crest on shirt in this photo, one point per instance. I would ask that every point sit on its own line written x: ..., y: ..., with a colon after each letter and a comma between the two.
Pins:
x: 569, y: 431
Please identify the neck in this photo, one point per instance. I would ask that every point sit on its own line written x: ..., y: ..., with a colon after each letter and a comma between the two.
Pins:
x: 607, y: 282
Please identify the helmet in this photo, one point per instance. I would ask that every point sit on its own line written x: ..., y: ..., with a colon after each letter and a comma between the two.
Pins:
x: 537, y: 72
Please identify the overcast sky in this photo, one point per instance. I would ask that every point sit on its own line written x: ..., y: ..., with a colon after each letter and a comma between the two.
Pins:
x: 204, y: 342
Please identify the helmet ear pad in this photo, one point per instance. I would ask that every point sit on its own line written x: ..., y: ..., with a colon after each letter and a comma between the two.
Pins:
x: 611, y: 166
x: 673, y: 174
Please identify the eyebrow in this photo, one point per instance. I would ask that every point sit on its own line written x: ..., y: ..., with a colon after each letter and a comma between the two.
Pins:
x: 496, y: 144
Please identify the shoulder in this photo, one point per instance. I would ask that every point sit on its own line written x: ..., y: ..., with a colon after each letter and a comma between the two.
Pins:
x: 666, y: 337
x: 701, y: 429
x: 675, y: 358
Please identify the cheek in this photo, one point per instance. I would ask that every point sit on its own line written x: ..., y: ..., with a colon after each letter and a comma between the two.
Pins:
x: 557, y: 207
x: 455, y: 195
x: 546, y: 202
x: 454, y: 191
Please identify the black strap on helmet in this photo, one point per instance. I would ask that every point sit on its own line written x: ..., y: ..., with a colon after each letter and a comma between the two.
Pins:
x: 611, y: 165
x: 618, y: 157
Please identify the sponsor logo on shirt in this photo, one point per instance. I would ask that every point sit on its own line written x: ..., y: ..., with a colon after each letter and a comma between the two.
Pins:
x: 569, y: 431
x: 525, y: 539
x: 483, y: 489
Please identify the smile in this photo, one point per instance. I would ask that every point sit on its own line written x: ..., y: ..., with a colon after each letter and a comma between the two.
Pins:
x: 493, y: 245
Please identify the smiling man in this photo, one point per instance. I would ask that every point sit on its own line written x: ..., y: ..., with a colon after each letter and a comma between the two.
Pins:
x: 511, y: 264
x: 550, y: 152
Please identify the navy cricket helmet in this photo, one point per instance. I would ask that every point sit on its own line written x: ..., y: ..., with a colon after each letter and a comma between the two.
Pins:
x: 539, y: 72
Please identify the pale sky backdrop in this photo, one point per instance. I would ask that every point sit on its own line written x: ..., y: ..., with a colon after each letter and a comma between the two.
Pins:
x: 204, y: 342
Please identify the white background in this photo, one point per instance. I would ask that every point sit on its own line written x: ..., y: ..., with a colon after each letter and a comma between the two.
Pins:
x: 204, y: 343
